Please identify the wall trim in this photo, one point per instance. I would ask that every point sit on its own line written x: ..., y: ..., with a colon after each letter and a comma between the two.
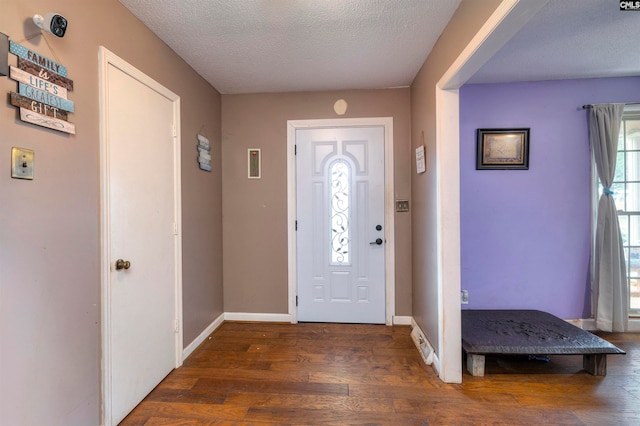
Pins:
x: 590, y: 324
x: 262, y: 317
x: 256, y: 317
x: 503, y: 23
x: 389, y: 205
x: 583, y: 323
x: 202, y: 337
x: 402, y: 320
x: 424, y: 347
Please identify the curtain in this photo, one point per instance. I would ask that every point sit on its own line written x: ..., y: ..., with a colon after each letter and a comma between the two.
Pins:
x: 610, y: 279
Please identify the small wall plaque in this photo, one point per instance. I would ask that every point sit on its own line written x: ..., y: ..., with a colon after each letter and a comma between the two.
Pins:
x: 421, y: 166
x: 254, y: 163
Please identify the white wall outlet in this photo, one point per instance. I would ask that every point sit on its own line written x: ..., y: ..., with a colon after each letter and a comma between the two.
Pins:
x: 464, y: 297
x: 22, y: 163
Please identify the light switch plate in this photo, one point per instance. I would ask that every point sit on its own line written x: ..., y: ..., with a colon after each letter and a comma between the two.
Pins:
x: 22, y: 163
x: 402, y: 205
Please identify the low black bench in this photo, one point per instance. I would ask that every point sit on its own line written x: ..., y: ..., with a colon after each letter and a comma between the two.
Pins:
x: 529, y: 332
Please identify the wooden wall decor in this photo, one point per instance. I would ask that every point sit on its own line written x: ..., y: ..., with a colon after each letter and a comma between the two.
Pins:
x: 4, y: 51
x: 204, y: 153
x: 43, y: 89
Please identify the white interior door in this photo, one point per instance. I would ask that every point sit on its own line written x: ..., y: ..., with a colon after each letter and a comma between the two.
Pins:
x: 141, y: 228
x: 340, y: 224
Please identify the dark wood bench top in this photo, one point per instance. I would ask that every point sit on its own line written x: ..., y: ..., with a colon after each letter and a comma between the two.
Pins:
x: 527, y: 332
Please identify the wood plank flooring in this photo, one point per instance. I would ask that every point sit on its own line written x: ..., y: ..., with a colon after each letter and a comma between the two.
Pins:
x: 337, y: 374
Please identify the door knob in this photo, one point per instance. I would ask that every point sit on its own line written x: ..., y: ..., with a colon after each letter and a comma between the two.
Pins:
x: 122, y: 264
x: 377, y: 242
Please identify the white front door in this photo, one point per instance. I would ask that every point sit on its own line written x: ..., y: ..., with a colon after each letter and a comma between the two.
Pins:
x: 340, y: 224
x: 141, y: 227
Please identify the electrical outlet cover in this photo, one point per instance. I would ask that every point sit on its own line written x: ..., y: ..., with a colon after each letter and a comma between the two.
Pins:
x: 22, y: 163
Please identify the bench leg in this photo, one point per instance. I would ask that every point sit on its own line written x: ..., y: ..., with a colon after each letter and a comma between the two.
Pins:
x: 595, y: 364
x: 475, y: 364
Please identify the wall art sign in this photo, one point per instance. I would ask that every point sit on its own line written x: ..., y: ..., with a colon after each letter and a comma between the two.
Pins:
x: 506, y: 149
x: 4, y: 53
x: 36, y: 58
x: 421, y: 165
x: 204, y: 153
x: 20, y: 101
x: 35, y: 69
x: 43, y: 89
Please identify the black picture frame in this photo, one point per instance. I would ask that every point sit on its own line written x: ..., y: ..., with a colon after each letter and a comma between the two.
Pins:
x: 502, y: 149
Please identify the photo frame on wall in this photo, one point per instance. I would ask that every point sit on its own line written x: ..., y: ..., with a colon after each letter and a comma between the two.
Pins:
x: 502, y: 149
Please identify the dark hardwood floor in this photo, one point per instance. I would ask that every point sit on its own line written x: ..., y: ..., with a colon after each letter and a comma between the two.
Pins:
x: 265, y: 374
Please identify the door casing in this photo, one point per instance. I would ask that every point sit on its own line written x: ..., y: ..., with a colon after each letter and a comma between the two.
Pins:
x: 389, y: 210
x: 106, y: 59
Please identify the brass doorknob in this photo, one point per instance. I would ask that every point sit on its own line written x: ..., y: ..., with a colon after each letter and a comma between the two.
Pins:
x: 122, y: 264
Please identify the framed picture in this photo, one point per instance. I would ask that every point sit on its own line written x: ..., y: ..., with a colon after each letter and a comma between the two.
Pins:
x: 254, y: 163
x: 502, y: 149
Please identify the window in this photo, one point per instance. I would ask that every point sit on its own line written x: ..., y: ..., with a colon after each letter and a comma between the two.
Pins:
x: 340, y: 193
x: 626, y: 192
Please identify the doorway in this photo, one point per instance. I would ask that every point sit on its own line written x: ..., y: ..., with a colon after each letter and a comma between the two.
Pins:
x: 335, y: 274
x: 141, y: 238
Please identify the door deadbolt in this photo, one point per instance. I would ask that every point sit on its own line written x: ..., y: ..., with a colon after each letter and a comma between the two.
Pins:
x: 122, y: 264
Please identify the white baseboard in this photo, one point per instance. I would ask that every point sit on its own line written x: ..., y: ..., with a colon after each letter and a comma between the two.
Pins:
x: 590, y: 324
x: 583, y: 323
x: 249, y: 316
x: 422, y: 344
x: 400, y: 320
x: 202, y: 337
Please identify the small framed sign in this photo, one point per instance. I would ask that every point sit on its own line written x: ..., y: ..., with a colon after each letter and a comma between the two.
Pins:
x: 502, y: 149
x: 254, y: 163
x: 421, y: 166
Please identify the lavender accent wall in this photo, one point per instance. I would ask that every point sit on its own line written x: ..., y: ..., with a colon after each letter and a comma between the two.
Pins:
x: 525, y: 235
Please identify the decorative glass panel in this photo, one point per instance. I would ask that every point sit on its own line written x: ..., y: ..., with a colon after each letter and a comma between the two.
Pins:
x: 340, y: 178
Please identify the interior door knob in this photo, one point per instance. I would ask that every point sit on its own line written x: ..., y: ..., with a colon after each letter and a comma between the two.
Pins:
x: 377, y: 242
x: 122, y: 264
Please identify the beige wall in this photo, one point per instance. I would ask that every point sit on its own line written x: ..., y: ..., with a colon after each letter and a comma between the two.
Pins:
x: 464, y: 24
x: 255, y: 211
x: 49, y: 227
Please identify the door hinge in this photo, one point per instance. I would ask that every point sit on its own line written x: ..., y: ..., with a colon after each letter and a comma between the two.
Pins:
x: 296, y: 300
x: 177, y: 326
x: 295, y: 150
x: 175, y: 132
x: 296, y: 225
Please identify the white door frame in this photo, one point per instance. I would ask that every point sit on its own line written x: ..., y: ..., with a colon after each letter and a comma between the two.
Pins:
x: 389, y: 210
x: 509, y: 17
x: 106, y: 59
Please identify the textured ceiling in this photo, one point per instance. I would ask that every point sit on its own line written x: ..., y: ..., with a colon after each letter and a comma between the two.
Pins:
x: 569, y: 39
x: 252, y: 46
